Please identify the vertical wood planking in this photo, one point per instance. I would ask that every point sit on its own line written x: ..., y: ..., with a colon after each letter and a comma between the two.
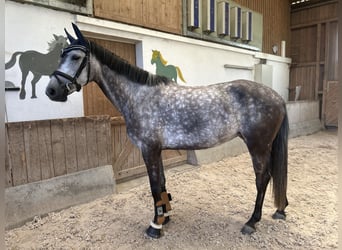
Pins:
x: 137, y: 157
x: 32, y: 151
x: 95, y: 102
x: 91, y: 142
x: 70, y: 145
x: 123, y: 142
x: 45, y: 149
x: 109, y: 142
x: 58, y: 147
x: 310, y: 34
x: 156, y: 14
x: 17, y: 152
x: 115, y: 146
x: 81, y: 142
x: 276, y: 21
x: 163, y: 15
x: 332, y: 52
x: 38, y: 150
x: 167, y: 16
x: 103, y: 139
x: 8, y: 163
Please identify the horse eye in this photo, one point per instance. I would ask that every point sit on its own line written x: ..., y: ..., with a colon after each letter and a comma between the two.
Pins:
x: 75, y: 57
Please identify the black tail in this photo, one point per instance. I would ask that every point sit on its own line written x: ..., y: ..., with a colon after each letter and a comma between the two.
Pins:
x: 279, y: 165
x: 13, y: 60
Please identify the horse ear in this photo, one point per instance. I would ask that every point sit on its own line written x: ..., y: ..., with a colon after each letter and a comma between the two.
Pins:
x: 70, y: 37
x: 79, y: 35
x: 55, y: 36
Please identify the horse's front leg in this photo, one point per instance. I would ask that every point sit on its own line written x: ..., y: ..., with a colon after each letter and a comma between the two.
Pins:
x: 36, y: 78
x: 165, y: 196
x: 153, y: 161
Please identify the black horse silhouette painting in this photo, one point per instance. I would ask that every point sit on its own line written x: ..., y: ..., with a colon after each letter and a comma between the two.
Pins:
x: 37, y: 63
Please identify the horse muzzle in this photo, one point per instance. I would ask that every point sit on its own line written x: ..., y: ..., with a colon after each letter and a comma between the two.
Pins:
x: 56, y: 90
x: 59, y: 90
x: 56, y: 94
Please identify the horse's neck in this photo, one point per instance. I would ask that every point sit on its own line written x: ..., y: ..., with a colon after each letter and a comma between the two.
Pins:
x: 160, y: 67
x: 159, y: 63
x: 122, y: 92
x: 56, y: 50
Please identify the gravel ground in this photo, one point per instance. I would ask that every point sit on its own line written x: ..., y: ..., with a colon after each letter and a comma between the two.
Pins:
x: 210, y: 205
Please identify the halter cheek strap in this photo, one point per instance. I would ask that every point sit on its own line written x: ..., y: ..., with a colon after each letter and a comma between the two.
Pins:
x: 73, y: 85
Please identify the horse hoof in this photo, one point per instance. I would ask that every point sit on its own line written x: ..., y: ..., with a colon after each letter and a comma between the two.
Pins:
x: 247, y: 229
x: 22, y: 95
x: 153, y: 233
x: 167, y: 219
x: 279, y: 215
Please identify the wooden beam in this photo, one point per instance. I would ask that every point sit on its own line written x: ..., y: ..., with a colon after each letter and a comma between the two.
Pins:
x: 318, y: 55
x: 313, y: 23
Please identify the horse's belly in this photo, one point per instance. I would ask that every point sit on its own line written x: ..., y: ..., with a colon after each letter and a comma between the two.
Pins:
x: 196, y: 139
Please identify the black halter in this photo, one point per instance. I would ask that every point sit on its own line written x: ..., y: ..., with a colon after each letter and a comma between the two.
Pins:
x: 73, y: 85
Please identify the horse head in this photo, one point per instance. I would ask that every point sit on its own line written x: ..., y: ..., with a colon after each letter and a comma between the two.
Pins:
x: 58, y: 43
x: 156, y: 56
x: 73, y: 70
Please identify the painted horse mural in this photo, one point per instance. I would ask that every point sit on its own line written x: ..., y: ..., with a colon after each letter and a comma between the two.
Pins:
x: 37, y: 63
x: 162, y: 69
x: 161, y: 114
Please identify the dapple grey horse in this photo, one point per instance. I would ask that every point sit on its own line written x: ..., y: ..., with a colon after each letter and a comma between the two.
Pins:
x: 161, y: 114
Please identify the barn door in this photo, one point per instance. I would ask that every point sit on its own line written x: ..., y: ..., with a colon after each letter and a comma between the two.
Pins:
x: 95, y: 102
x: 330, y: 103
x: 127, y: 159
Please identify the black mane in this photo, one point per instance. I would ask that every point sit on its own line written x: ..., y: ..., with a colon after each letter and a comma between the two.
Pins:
x: 123, y: 67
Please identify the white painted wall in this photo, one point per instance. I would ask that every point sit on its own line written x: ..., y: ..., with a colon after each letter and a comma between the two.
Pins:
x: 201, y: 62
x: 29, y: 27
x: 280, y: 72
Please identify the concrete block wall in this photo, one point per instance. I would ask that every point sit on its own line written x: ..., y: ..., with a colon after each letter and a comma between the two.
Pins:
x: 24, y: 202
x: 303, y: 117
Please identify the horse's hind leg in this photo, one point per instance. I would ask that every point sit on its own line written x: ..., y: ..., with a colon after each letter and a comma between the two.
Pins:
x: 261, y: 167
x: 153, y: 161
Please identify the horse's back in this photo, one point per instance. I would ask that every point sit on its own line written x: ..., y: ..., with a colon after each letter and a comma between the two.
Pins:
x: 245, y: 90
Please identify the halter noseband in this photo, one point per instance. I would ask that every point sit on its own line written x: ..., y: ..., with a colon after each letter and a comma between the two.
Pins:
x: 73, y: 85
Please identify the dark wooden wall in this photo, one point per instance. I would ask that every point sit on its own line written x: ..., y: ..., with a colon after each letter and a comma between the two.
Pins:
x: 313, y: 48
x: 167, y: 16
x: 39, y: 150
x: 95, y: 102
x: 276, y: 22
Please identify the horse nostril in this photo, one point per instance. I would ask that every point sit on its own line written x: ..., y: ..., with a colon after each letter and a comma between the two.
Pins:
x: 50, y: 92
